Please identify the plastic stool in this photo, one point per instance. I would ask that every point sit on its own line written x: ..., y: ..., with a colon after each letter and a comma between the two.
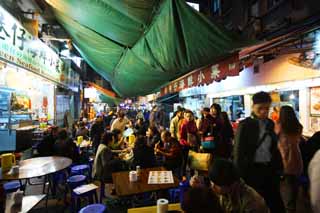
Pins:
x: 82, y: 169
x: 183, y: 187
x: 57, y: 178
x: 75, y: 198
x: 76, y: 180
x: 174, y: 195
x: 94, y: 208
x: 11, y: 186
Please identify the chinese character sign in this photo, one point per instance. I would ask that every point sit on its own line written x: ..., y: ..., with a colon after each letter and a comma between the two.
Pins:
x: 18, y: 46
x: 215, y: 72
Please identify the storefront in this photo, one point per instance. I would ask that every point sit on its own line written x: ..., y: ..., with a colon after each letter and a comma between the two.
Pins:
x: 30, y: 72
x: 194, y: 99
x: 287, y: 83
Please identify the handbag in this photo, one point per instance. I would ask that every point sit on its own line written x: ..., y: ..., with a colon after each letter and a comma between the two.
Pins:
x: 208, y: 142
x: 199, y: 161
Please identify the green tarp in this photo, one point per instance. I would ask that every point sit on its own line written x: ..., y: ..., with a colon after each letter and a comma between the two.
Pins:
x: 139, y: 45
x: 109, y: 100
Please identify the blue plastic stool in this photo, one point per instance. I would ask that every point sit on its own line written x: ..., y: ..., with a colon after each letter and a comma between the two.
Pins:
x: 76, y: 198
x: 58, y: 178
x: 94, y: 208
x: 82, y: 169
x: 76, y: 180
x: 11, y: 186
x: 174, y: 195
x: 183, y: 187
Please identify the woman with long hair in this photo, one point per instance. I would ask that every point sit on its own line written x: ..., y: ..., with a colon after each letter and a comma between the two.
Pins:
x: 215, y: 111
x: 289, y: 131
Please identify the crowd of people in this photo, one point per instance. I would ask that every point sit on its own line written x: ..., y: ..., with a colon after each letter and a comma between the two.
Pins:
x: 247, y: 164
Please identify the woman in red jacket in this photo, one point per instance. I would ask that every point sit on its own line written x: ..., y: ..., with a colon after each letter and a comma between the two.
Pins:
x: 188, y: 137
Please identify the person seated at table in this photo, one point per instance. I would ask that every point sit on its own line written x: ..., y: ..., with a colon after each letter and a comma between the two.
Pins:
x: 234, y: 195
x: 197, y: 200
x: 105, y: 161
x: 45, y: 148
x: 118, y: 140
x: 64, y: 146
x: 171, y: 151
x: 153, y: 136
x: 82, y: 131
x: 143, y: 155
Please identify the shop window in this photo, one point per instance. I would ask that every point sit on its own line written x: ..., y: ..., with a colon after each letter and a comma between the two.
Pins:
x: 233, y: 105
x: 285, y: 98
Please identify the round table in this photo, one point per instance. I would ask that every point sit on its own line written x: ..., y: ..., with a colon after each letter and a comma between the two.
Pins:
x: 37, y: 167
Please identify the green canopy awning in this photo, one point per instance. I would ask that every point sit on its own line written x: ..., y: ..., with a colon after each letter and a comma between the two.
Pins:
x: 112, y: 101
x: 139, y: 45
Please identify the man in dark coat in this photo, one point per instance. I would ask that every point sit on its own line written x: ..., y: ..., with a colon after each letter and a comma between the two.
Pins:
x: 256, y: 154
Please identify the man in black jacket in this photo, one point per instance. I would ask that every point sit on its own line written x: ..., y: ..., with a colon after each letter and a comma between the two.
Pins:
x: 256, y: 154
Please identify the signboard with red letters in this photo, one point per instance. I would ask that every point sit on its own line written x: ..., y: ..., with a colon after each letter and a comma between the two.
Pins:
x: 216, y: 72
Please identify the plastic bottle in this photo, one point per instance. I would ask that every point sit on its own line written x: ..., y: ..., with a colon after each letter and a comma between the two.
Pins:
x: 138, y: 170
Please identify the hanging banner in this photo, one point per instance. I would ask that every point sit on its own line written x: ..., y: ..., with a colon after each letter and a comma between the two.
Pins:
x: 216, y: 72
x: 19, y: 47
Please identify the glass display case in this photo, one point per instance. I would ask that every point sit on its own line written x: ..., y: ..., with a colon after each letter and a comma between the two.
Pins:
x: 5, y: 108
x: 9, y: 120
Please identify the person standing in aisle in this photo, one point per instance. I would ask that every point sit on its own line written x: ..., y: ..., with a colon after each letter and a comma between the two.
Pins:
x: 174, y: 124
x: 96, y: 132
x: 215, y: 112
x: 152, y: 116
x: 188, y: 138
x: 121, y: 122
x: 289, y: 131
x: 256, y: 154
x: 227, y: 136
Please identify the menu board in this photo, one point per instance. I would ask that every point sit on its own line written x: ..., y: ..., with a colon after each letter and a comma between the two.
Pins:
x: 160, y: 177
x: 315, y: 101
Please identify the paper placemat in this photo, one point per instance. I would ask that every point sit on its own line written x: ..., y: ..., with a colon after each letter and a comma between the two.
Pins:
x: 160, y: 177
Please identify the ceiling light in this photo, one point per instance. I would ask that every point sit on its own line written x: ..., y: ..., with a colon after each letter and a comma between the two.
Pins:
x: 292, y: 97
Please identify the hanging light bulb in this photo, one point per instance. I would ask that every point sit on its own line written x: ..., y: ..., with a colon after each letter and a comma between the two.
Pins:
x: 292, y: 97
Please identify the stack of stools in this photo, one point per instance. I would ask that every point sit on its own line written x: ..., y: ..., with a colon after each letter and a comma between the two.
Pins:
x: 82, y: 169
x: 94, y: 208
